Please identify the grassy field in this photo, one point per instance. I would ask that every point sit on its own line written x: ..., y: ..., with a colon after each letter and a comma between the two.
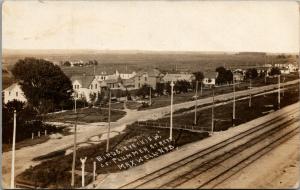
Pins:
x: 86, y: 115
x: 223, y: 114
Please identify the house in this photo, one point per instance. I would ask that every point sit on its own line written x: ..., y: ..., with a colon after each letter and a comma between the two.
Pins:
x: 129, y: 84
x: 113, y: 82
x: 178, y: 77
x: 209, y: 78
x: 238, y: 76
x: 150, y: 77
x: 284, y: 70
x: 14, y: 92
x: 125, y: 74
x: 85, y: 85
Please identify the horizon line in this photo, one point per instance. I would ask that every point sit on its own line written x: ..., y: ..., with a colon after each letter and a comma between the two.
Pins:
x: 135, y: 50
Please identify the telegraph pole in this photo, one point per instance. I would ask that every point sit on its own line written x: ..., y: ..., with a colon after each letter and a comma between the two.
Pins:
x: 150, y: 97
x: 213, y: 110
x: 233, y: 107
x: 108, y: 133
x: 196, y: 96
x: 250, y: 95
x: 171, y: 116
x: 74, y: 147
x: 201, y: 88
x: 278, y: 91
x: 12, y: 178
x: 283, y: 86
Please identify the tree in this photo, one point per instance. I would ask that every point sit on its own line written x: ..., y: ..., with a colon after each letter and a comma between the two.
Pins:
x: 93, y: 98
x: 160, y: 87
x: 144, y: 91
x: 44, y: 84
x: 275, y: 71
x: 224, y: 75
x: 251, y: 73
x: 67, y: 63
x: 198, y: 76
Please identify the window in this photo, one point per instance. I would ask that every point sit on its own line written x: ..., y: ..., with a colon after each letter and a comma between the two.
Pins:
x: 145, y: 78
x: 9, y: 93
x: 95, y: 86
x: 17, y: 94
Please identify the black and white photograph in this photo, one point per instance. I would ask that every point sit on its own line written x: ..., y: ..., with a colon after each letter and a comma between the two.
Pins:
x: 158, y: 94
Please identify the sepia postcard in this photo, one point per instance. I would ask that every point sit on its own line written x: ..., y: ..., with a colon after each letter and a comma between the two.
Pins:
x: 152, y: 94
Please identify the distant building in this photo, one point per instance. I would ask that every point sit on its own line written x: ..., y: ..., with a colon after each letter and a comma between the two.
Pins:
x: 178, y: 77
x: 85, y: 85
x: 210, y: 78
x: 14, y: 92
x: 125, y: 74
x: 150, y: 77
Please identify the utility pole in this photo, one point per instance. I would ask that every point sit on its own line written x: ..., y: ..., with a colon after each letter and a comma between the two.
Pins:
x: 213, y: 110
x: 283, y: 85
x: 201, y: 88
x: 108, y: 133
x: 278, y: 91
x: 233, y: 107
x: 171, y: 116
x: 196, y: 96
x: 12, y: 178
x: 250, y: 95
x: 150, y: 97
x: 74, y: 147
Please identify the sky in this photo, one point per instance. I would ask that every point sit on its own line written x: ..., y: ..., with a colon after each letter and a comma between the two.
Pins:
x: 266, y: 26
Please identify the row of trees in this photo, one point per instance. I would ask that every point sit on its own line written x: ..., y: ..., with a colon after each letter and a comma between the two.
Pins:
x: 91, y: 62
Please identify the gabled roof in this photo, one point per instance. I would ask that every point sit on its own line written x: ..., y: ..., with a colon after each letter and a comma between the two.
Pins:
x: 84, y: 80
x: 210, y: 74
x: 150, y: 72
x: 11, y: 87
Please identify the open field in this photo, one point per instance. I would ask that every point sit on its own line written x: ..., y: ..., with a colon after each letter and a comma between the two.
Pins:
x: 86, y: 115
x: 137, y: 60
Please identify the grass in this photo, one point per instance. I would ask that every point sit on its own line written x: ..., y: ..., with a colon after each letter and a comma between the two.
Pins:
x: 86, y: 115
x: 162, y: 101
x: 223, y: 113
x: 52, y: 176
x: 24, y: 143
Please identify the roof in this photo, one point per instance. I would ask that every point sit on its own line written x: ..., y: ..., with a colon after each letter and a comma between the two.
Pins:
x: 210, y: 74
x: 177, y: 77
x: 84, y: 80
x: 150, y: 72
x: 12, y: 87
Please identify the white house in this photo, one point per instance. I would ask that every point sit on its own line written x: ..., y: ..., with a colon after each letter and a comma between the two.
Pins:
x: 14, y: 92
x: 125, y: 74
x: 85, y: 85
x: 209, y: 78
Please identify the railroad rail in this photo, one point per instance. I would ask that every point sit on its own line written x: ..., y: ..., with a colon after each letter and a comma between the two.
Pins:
x: 192, y: 128
x: 199, y: 169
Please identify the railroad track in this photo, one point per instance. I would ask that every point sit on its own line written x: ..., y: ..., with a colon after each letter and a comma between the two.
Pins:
x: 183, y: 172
